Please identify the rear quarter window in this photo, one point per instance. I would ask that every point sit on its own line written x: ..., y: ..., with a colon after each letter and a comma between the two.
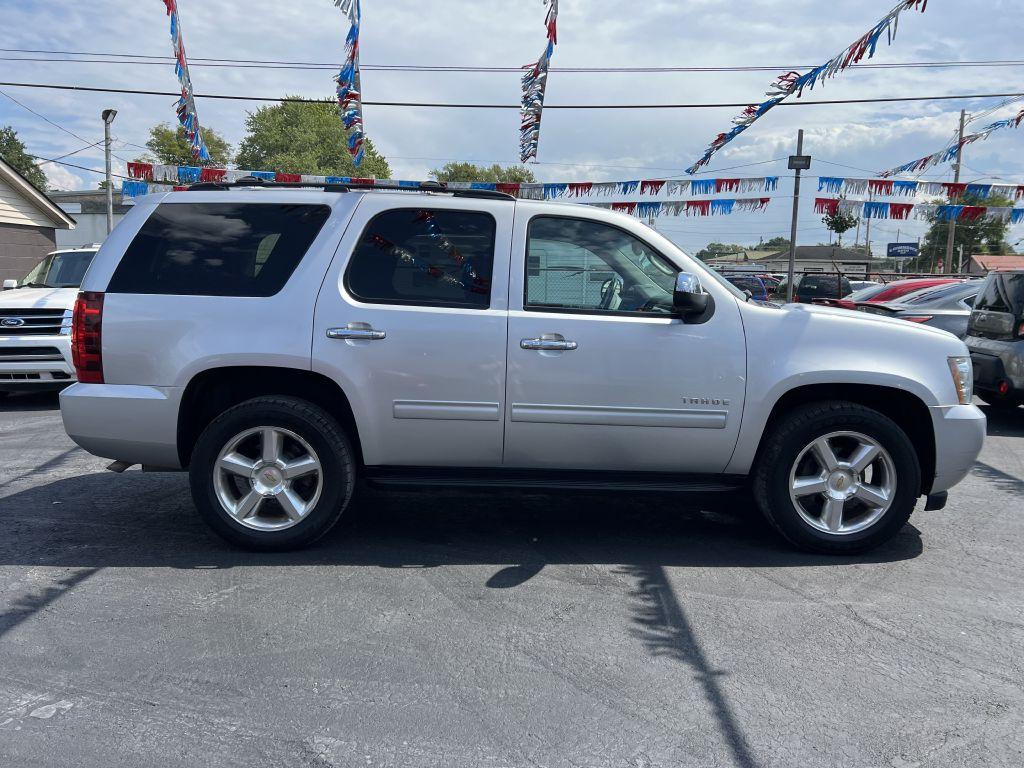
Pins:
x: 1002, y: 292
x: 218, y: 249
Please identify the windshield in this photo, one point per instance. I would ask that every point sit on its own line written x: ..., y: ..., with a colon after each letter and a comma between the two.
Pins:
x: 866, y: 293
x: 63, y: 269
x: 1003, y: 292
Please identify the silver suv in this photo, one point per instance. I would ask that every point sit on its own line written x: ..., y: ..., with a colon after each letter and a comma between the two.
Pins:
x: 281, y: 344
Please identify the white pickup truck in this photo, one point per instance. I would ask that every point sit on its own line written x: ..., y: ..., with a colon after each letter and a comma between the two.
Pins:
x: 35, y: 323
x: 282, y: 343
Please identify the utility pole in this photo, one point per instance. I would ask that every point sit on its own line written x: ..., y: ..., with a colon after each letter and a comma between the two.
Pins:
x: 867, y: 230
x: 948, y: 265
x: 798, y: 162
x: 108, y: 117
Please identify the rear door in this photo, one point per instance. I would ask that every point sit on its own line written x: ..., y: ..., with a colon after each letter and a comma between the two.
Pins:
x: 411, y: 321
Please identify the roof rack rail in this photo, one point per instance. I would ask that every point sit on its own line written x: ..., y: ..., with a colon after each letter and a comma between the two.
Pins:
x: 348, y: 186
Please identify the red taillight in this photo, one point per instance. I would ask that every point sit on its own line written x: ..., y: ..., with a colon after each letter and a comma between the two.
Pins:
x: 917, y: 318
x: 1020, y: 330
x: 86, y: 337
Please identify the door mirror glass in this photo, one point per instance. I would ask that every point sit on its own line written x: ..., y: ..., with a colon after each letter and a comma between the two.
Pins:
x: 689, y: 297
x: 9, y: 284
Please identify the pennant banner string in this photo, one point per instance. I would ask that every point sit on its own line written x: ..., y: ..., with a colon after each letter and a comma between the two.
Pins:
x: 350, y: 97
x: 923, y: 212
x: 795, y: 83
x: 897, y: 188
x: 186, y: 107
x: 534, y: 86
x: 952, y: 152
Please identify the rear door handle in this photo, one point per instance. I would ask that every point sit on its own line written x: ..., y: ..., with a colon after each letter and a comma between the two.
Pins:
x: 357, y: 332
x: 548, y: 345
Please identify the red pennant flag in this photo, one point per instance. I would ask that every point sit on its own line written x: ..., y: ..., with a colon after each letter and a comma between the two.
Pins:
x: 361, y: 181
x: 141, y: 171
x: 972, y: 212
x: 826, y: 205
x: 578, y: 188
x: 651, y: 187
x: 900, y: 210
x: 727, y: 185
x: 508, y: 188
x: 212, y: 174
x: 880, y: 186
x: 698, y: 207
x: 629, y: 208
x: 289, y: 178
x: 954, y: 191
x: 1020, y: 192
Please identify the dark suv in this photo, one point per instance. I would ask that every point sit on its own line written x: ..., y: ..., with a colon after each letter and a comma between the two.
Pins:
x: 815, y: 285
x: 995, y: 337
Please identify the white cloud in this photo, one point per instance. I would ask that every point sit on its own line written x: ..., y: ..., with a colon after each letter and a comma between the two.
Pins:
x: 60, y: 178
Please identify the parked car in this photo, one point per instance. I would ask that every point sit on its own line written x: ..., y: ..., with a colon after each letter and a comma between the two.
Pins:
x: 860, y: 285
x: 880, y: 293
x: 754, y: 285
x: 947, y: 307
x: 35, y: 323
x: 995, y: 337
x: 811, y: 285
x: 279, y: 344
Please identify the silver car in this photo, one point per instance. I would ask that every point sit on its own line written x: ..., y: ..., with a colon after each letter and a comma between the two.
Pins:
x: 281, y: 344
x: 946, y: 306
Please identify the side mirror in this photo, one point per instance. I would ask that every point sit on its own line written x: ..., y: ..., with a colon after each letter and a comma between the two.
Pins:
x: 9, y: 284
x: 689, y: 297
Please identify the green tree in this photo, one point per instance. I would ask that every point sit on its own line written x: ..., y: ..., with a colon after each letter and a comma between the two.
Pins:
x: 12, y: 150
x: 977, y: 237
x: 300, y: 137
x: 170, y: 146
x: 719, y: 249
x: 839, y: 221
x: 470, y: 172
x: 775, y: 244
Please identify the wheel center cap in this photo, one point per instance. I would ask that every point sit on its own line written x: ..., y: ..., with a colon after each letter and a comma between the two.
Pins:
x: 840, y: 483
x: 267, y: 479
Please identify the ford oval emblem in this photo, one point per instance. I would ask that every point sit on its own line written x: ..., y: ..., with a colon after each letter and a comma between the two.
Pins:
x: 12, y: 322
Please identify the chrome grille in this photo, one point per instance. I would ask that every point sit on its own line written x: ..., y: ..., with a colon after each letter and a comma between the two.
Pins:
x: 35, y: 322
x: 29, y: 354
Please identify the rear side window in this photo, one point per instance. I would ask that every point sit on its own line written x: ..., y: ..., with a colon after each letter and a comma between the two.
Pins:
x: 1002, y: 292
x: 424, y: 257
x: 218, y: 249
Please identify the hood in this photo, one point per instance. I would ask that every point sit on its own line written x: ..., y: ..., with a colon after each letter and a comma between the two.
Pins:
x: 38, y: 298
x: 865, y: 320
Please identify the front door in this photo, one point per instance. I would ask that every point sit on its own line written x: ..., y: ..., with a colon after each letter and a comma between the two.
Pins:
x: 601, y: 374
x: 411, y: 322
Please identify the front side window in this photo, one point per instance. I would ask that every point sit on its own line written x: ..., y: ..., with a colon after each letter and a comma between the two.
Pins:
x: 64, y: 269
x: 218, y: 249
x: 425, y: 257
x: 575, y: 264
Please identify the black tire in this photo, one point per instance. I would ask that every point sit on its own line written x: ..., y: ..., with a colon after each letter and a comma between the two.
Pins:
x: 795, y: 431
x: 315, y: 426
x: 1001, y: 402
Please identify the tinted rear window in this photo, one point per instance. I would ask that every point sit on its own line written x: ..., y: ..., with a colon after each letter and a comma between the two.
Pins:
x: 823, y: 286
x: 1003, y: 292
x: 218, y: 249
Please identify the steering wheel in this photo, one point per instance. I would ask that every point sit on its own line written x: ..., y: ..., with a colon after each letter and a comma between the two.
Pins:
x: 610, y: 291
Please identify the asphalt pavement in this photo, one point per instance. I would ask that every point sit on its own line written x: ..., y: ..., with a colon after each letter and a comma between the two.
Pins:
x: 485, y: 630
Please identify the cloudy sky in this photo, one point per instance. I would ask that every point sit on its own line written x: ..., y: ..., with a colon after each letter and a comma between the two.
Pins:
x: 597, y: 145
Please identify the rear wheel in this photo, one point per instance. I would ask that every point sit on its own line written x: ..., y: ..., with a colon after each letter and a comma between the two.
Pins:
x: 837, y: 477
x: 272, y: 473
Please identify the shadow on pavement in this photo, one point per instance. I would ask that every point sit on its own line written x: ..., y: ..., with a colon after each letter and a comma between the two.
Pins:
x: 1003, y: 422
x: 147, y: 520
x: 29, y: 401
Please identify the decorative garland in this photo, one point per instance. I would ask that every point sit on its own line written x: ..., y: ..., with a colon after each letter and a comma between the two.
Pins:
x: 949, y: 154
x: 183, y: 175
x: 718, y: 207
x: 795, y: 83
x: 921, y: 211
x: 186, y: 109
x: 897, y: 188
x: 534, y: 86
x: 350, y: 104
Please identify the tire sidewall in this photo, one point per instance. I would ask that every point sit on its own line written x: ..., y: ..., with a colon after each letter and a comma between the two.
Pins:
x: 307, y: 421
x: 781, y: 508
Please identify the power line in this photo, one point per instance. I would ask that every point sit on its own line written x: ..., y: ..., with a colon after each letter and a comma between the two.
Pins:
x: 147, y: 59
x: 287, y: 99
x: 69, y: 154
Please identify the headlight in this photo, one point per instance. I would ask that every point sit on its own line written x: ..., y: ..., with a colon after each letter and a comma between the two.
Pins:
x: 963, y: 378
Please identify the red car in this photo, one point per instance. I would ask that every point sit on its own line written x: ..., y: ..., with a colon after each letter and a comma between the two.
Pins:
x: 876, y: 294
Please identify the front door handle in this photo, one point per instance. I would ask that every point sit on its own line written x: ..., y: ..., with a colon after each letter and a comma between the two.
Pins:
x: 548, y: 345
x: 356, y: 332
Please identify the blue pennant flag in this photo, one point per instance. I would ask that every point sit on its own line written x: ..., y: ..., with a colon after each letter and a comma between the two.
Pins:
x: 722, y: 207
x: 647, y: 210
x: 702, y: 187
x: 876, y: 210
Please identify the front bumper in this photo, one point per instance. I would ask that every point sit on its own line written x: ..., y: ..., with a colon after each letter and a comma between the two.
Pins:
x: 996, y: 360
x: 126, y: 422
x: 35, y: 363
x: 959, y: 435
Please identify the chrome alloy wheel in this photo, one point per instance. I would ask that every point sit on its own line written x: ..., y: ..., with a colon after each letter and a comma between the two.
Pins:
x: 268, y: 478
x: 842, y: 483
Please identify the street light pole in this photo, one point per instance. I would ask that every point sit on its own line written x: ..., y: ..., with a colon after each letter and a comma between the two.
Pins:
x: 798, y: 162
x: 948, y: 266
x: 108, y: 117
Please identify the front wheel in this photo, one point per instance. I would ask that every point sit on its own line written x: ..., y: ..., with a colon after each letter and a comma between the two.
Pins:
x: 272, y: 473
x: 837, y: 477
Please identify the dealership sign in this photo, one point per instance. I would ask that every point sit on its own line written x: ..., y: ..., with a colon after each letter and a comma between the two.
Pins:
x: 902, y: 250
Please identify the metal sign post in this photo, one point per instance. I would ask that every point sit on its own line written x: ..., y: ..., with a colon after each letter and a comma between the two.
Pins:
x: 798, y: 162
